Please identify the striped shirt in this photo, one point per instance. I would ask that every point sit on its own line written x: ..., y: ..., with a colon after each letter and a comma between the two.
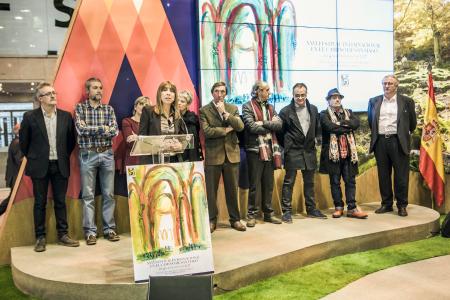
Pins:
x: 91, y: 124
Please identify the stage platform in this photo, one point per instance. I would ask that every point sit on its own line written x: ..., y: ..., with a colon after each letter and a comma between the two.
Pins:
x: 105, y: 271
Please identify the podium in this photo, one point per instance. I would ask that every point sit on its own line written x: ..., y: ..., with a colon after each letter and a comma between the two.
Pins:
x: 160, y: 147
x: 169, y: 218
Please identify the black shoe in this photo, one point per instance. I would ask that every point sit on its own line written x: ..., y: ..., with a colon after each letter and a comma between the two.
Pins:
x: 271, y: 219
x: 40, y: 245
x: 316, y: 214
x: 212, y: 226
x: 65, y: 240
x: 112, y: 236
x: 251, y: 222
x: 286, y: 218
x: 402, y: 212
x: 384, y: 209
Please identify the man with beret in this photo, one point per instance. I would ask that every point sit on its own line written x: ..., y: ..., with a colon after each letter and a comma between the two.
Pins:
x: 338, y: 157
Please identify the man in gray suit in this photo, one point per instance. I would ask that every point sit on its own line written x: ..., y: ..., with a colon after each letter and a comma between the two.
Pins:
x: 392, y: 119
x: 220, y: 121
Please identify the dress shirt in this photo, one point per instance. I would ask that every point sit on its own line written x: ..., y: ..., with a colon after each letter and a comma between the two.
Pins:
x: 303, y: 117
x: 50, y: 125
x: 388, y: 116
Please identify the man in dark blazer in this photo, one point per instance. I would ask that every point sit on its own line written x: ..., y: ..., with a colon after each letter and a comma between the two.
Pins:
x: 392, y: 119
x: 47, y: 140
x: 301, y: 126
x: 220, y: 122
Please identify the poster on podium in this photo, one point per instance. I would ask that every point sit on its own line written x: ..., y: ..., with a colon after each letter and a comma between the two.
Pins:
x: 169, y: 220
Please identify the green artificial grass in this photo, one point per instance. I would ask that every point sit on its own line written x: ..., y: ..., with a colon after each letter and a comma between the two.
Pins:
x: 322, y: 278
x: 7, y: 288
x: 309, y: 282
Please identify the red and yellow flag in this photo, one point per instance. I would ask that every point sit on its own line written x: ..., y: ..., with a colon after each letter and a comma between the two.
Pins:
x: 431, y: 164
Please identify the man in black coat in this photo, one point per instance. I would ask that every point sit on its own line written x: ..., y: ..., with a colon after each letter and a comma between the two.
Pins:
x: 338, y: 157
x: 392, y: 119
x: 301, y: 126
x: 12, y: 166
x: 47, y: 140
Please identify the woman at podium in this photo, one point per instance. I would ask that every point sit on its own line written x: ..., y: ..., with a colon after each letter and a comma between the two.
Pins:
x: 164, y: 119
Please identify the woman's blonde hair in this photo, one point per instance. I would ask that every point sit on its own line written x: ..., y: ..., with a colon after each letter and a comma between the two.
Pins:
x: 186, y: 94
x: 140, y: 100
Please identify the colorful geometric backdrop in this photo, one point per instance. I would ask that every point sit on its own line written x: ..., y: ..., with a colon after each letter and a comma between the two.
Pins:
x: 132, y: 46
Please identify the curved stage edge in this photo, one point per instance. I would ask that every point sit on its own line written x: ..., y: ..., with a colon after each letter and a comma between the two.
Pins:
x: 240, y: 258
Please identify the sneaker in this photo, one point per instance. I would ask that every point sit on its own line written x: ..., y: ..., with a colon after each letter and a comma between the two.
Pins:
x: 251, y: 222
x: 112, y: 236
x: 91, y: 240
x: 316, y: 214
x: 40, y: 245
x: 65, y: 240
x: 286, y: 218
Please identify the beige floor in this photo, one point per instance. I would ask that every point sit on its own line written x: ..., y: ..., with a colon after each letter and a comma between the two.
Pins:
x: 427, y: 279
x: 240, y: 258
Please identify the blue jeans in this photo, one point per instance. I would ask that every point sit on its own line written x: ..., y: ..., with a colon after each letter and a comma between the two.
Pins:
x: 90, y: 163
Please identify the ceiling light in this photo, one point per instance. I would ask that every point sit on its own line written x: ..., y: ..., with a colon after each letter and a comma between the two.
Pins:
x: 18, y: 17
x: 2, y: 27
x: 25, y: 10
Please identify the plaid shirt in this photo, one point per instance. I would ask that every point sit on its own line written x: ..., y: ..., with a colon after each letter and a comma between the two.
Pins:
x: 90, y: 124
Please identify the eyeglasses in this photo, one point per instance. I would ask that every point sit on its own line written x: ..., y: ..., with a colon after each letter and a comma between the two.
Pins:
x: 388, y: 83
x: 52, y: 93
x: 302, y: 96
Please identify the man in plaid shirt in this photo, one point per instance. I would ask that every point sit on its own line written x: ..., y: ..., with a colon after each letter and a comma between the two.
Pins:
x: 96, y: 126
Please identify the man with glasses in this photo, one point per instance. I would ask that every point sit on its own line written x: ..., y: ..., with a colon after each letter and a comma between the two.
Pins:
x: 392, y: 119
x: 96, y: 126
x: 47, y: 139
x: 301, y: 126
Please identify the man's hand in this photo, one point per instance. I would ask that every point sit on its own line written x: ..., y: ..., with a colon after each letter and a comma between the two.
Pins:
x: 228, y: 129
x: 221, y: 107
x: 259, y: 123
x: 276, y: 119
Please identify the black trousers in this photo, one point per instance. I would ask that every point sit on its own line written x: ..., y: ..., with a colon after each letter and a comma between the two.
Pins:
x: 345, y: 171
x: 40, y: 188
x: 260, y: 173
x: 230, y: 173
x: 308, y: 190
x: 389, y: 156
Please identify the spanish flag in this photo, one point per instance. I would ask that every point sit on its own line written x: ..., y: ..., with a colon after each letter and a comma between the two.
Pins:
x: 431, y: 164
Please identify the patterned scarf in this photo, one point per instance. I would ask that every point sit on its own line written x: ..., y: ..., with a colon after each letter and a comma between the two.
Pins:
x: 339, y: 147
x: 265, y: 151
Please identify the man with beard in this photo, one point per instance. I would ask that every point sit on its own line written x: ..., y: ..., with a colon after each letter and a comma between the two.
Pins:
x: 96, y: 126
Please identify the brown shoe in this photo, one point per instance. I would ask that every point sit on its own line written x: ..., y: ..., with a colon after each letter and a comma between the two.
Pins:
x: 238, y: 226
x: 271, y: 219
x: 40, y: 245
x: 65, y: 240
x: 338, y: 212
x: 251, y: 222
x: 355, y: 213
x: 212, y: 226
x: 112, y: 236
